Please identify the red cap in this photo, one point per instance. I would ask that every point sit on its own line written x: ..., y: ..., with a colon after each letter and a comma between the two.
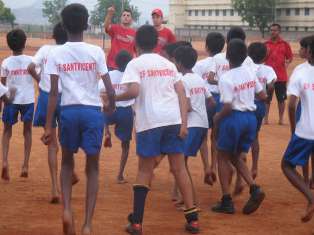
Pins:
x: 158, y: 12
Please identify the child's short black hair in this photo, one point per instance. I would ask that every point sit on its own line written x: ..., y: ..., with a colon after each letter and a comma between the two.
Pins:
x: 215, y: 42
x: 75, y: 18
x: 171, y: 47
x: 236, y: 32
x: 59, y: 34
x: 236, y: 52
x: 306, y: 41
x: 146, y: 37
x: 16, y: 39
x: 186, y: 56
x: 311, y: 51
x: 276, y: 25
x: 257, y: 51
x: 122, y: 60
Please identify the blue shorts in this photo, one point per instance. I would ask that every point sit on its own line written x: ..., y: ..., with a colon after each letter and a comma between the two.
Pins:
x: 237, y: 132
x: 299, y: 151
x: 211, y: 111
x: 122, y: 118
x: 260, y: 113
x: 41, y: 110
x: 194, y: 140
x: 11, y: 112
x: 158, y: 141
x: 81, y: 126
x: 298, y: 112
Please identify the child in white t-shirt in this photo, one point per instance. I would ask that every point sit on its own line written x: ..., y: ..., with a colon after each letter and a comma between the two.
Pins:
x: 236, y: 124
x: 301, y: 145
x: 14, y: 75
x: 122, y: 118
x: 40, y: 61
x: 161, y: 123
x: 78, y: 65
x: 199, y: 98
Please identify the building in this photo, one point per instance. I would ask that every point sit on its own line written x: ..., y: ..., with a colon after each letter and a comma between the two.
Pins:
x: 220, y: 15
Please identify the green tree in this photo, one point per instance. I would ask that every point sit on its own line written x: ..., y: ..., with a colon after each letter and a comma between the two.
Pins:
x: 100, y: 11
x: 257, y: 13
x: 6, y: 15
x: 52, y: 9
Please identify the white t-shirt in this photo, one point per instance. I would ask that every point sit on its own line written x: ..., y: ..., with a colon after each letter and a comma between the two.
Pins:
x: 40, y: 60
x: 3, y: 90
x: 238, y: 87
x: 203, y: 68
x: 197, y: 91
x: 222, y: 65
x: 78, y: 65
x: 302, y: 85
x: 265, y: 74
x: 14, y: 68
x: 115, y: 77
x: 157, y: 104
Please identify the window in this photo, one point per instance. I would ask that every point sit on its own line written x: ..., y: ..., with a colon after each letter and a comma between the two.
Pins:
x: 288, y: 12
x: 224, y: 12
x: 278, y: 12
x: 196, y: 12
x: 297, y: 11
x: 307, y: 11
x: 190, y: 12
x: 203, y: 12
x: 306, y: 29
x: 232, y: 12
x: 210, y: 12
x: 217, y: 12
x: 296, y: 28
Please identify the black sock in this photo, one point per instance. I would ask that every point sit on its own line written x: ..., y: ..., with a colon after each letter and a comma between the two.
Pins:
x: 140, y: 193
x: 191, y: 215
x: 254, y: 188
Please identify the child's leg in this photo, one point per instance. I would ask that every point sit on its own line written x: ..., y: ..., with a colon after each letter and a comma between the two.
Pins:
x: 240, y: 164
x: 297, y: 181
x: 27, y: 132
x: 67, y: 168
x: 312, y: 170
x: 6, y: 136
x: 266, y: 120
x: 92, y: 172
x: 305, y: 171
x: 193, y: 188
x: 53, y: 166
x: 225, y: 171
x: 255, y: 157
x: 125, y: 146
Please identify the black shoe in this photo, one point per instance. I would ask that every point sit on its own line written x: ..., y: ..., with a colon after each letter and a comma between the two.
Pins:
x: 256, y: 199
x: 224, y: 206
x: 192, y: 227
x: 133, y: 228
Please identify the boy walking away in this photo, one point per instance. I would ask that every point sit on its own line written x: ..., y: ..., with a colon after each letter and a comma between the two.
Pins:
x: 198, y: 95
x: 267, y: 77
x: 236, y: 124
x: 40, y: 60
x: 161, y: 124
x: 122, y: 118
x: 301, y: 145
x: 78, y: 65
x: 14, y: 75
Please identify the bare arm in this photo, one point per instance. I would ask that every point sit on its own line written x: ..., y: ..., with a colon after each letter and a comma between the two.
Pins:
x: 108, y: 19
x: 189, y: 106
x: 211, y: 79
x: 133, y: 90
x: 109, y: 90
x: 292, y: 109
x: 32, y: 71
x: 262, y: 96
x: 179, y: 87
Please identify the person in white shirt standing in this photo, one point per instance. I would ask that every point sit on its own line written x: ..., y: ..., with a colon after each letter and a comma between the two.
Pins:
x: 199, y: 98
x: 161, y: 124
x: 39, y: 64
x: 301, y: 144
x: 123, y: 117
x: 14, y: 74
x: 78, y: 65
x: 267, y: 77
x: 236, y: 124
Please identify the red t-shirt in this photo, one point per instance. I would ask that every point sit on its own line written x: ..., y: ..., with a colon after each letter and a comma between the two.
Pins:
x: 165, y: 36
x: 277, y: 54
x: 122, y: 38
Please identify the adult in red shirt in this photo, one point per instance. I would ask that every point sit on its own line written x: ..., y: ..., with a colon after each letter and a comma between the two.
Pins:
x: 165, y: 35
x: 122, y: 35
x: 279, y: 57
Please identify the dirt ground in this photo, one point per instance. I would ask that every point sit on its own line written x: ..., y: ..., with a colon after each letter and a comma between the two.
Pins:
x: 25, y: 209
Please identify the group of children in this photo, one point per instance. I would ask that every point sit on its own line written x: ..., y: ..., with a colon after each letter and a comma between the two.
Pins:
x: 173, y: 100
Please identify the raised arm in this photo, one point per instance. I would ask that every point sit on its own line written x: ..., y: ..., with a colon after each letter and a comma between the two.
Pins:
x: 110, y: 13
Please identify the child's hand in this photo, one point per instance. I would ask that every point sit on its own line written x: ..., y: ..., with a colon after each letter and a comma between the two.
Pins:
x: 12, y: 93
x: 210, y: 176
x: 46, y: 138
x: 111, y: 10
x: 183, y: 131
x: 107, y: 142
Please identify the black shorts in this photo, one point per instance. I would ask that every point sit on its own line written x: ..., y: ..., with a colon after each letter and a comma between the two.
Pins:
x: 281, y: 92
